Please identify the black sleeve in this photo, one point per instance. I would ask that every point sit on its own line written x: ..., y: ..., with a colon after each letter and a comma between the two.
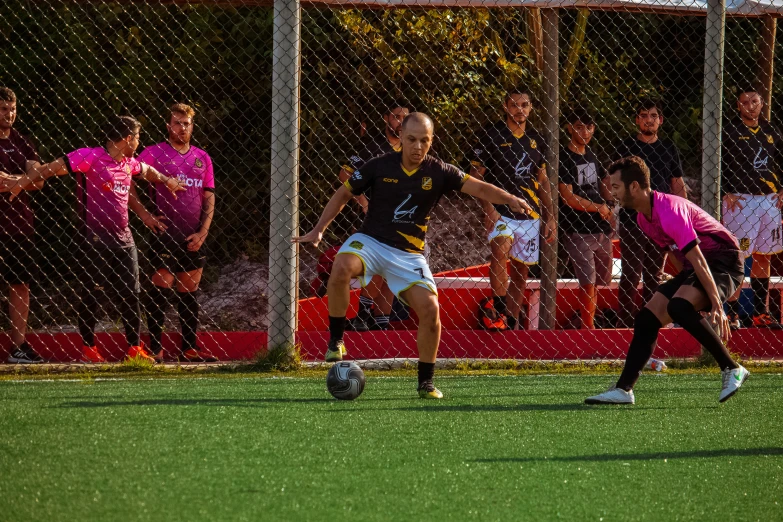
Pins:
x: 676, y: 162
x: 565, y: 173
x: 453, y: 178
x: 362, y: 179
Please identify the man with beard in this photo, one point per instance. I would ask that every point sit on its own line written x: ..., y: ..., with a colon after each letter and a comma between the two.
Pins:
x: 752, y: 198
x: 178, y: 251
x: 375, y: 300
x: 17, y: 156
x: 512, y: 155
x: 711, y: 271
x: 406, y: 186
x: 641, y: 260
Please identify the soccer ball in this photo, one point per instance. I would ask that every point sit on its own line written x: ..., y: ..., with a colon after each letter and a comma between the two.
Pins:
x: 345, y: 380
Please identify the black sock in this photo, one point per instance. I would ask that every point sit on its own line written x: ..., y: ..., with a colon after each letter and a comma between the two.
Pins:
x: 158, y: 303
x: 512, y: 322
x: 131, y: 318
x: 85, y: 313
x: 426, y: 371
x: 499, y: 303
x: 760, y: 287
x: 336, y: 328
x: 645, y: 333
x: 732, y: 308
x: 188, y: 319
x: 365, y: 306
x: 682, y: 311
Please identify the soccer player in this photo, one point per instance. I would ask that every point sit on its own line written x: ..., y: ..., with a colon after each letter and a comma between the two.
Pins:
x: 406, y: 186
x: 108, y: 257
x: 711, y: 272
x: 752, y: 198
x: 585, y: 216
x: 641, y: 260
x: 17, y: 155
x: 178, y: 251
x: 512, y: 155
x: 375, y: 300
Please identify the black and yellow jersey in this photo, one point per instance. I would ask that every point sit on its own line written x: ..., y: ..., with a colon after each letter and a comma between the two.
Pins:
x: 368, y: 148
x: 750, y: 159
x: 399, y: 211
x: 512, y: 163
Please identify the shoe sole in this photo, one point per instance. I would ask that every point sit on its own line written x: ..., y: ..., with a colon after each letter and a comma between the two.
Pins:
x: 594, y: 402
x: 732, y: 394
x: 333, y: 358
x: 14, y: 360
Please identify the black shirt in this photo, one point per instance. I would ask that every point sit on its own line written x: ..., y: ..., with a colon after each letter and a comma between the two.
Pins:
x: 750, y: 159
x: 16, y: 217
x: 400, y: 210
x: 370, y: 146
x: 585, y: 174
x: 512, y: 164
x: 661, y: 157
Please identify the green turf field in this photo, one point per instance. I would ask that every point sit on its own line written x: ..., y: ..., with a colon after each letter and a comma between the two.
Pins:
x: 510, y: 448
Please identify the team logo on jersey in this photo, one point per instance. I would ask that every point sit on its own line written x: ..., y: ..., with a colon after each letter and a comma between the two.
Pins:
x: 744, y: 244
x: 426, y: 183
x: 523, y: 166
x: 770, y: 140
x: 357, y: 175
x: 505, y: 144
x: 390, y: 180
x: 400, y: 213
x: 501, y: 227
x: 533, y: 144
x: 356, y: 245
x: 761, y: 159
x: 127, y: 169
x: 199, y: 163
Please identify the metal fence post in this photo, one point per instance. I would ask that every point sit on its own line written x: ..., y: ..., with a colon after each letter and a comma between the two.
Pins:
x: 712, y: 111
x: 551, y: 105
x: 284, y: 191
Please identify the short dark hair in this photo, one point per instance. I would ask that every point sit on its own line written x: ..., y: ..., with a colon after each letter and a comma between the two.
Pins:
x: 632, y: 168
x: 519, y: 89
x: 7, y: 95
x: 747, y: 88
x: 119, y: 127
x: 398, y: 103
x: 579, y: 114
x: 648, y: 104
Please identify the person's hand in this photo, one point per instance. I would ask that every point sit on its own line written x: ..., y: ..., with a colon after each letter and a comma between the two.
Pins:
x: 490, y: 219
x: 22, y: 182
x: 550, y: 231
x: 779, y: 199
x: 313, y: 237
x: 519, y: 206
x: 719, y: 321
x: 605, y: 212
x: 7, y: 181
x: 175, y: 185
x: 196, y: 240
x: 154, y: 223
x: 733, y: 202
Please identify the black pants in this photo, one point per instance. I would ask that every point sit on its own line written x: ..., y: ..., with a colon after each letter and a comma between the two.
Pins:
x: 642, y: 260
x: 108, y: 274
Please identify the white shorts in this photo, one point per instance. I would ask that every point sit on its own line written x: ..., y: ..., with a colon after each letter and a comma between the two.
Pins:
x: 525, y: 236
x: 401, y: 270
x: 757, y: 226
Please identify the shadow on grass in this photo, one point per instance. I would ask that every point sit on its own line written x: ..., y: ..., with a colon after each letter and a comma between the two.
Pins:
x: 199, y: 402
x: 526, y: 407
x: 695, y: 454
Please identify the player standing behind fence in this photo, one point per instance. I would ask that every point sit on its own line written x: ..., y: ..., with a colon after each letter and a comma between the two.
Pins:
x: 375, y: 300
x: 641, y: 259
x: 107, y: 257
x: 585, y: 216
x: 711, y: 272
x: 512, y: 155
x: 406, y: 186
x: 752, y: 197
x: 17, y: 155
x: 178, y: 254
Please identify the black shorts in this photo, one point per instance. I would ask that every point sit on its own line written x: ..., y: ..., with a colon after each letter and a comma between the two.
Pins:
x: 727, y: 270
x: 17, y: 260
x: 175, y: 257
x: 114, y: 270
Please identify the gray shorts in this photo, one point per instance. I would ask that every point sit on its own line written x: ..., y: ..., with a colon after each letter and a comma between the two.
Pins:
x: 591, y: 255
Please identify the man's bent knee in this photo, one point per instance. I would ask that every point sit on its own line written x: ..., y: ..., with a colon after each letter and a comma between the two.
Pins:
x: 345, y: 268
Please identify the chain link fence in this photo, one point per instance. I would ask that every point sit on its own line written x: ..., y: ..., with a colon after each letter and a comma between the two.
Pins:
x: 629, y: 81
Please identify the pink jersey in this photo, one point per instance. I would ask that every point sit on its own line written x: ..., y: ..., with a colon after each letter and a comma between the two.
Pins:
x: 194, y: 169
x: 680, y: 225
x: 102, y: 187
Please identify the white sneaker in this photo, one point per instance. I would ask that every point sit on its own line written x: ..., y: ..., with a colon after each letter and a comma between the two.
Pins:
x: 612, y: 396
x: 732, y: 380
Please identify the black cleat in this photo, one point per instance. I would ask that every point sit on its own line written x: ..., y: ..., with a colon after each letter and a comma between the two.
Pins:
x: 24, y: 354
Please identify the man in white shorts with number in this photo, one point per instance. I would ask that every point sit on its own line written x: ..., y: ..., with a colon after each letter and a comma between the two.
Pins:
x: 752, y: 198
x: 512, y: 155
x: 405, y: 186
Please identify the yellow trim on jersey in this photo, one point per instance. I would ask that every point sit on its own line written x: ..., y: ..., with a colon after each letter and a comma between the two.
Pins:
x: 517, y: 136
x: 364, y: 266
x: 771, y: 185
x: 409, y: 173
x: 415, y: 241
x: 421, y: 283
x: 465, y: 178
x: 754, y: 131
x: 398, y: 148
x: 531, y: 194
x: 423, y: 227
x: 348, y: 169
x: 348, y: 185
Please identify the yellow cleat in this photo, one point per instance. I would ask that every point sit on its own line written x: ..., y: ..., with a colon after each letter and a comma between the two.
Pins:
x: 427, y: 390
x: 335, y: 351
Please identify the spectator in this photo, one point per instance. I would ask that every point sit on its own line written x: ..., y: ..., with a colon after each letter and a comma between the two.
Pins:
x: 585, y: 217
x: 641, y: 259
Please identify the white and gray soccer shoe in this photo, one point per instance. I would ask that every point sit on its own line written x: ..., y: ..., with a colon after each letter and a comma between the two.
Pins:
x: 612, y: 396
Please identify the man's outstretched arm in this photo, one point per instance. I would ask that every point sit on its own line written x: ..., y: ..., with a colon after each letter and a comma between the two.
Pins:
x: 335, y: 205
x: 492, y: 194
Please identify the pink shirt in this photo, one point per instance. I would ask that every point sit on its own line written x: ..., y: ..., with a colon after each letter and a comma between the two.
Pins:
x: 680, y: 225
x: 102, y: 188
x: 194, y: 169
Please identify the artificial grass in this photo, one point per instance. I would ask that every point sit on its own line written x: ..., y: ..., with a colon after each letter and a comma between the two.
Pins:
x: 498, y: 447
